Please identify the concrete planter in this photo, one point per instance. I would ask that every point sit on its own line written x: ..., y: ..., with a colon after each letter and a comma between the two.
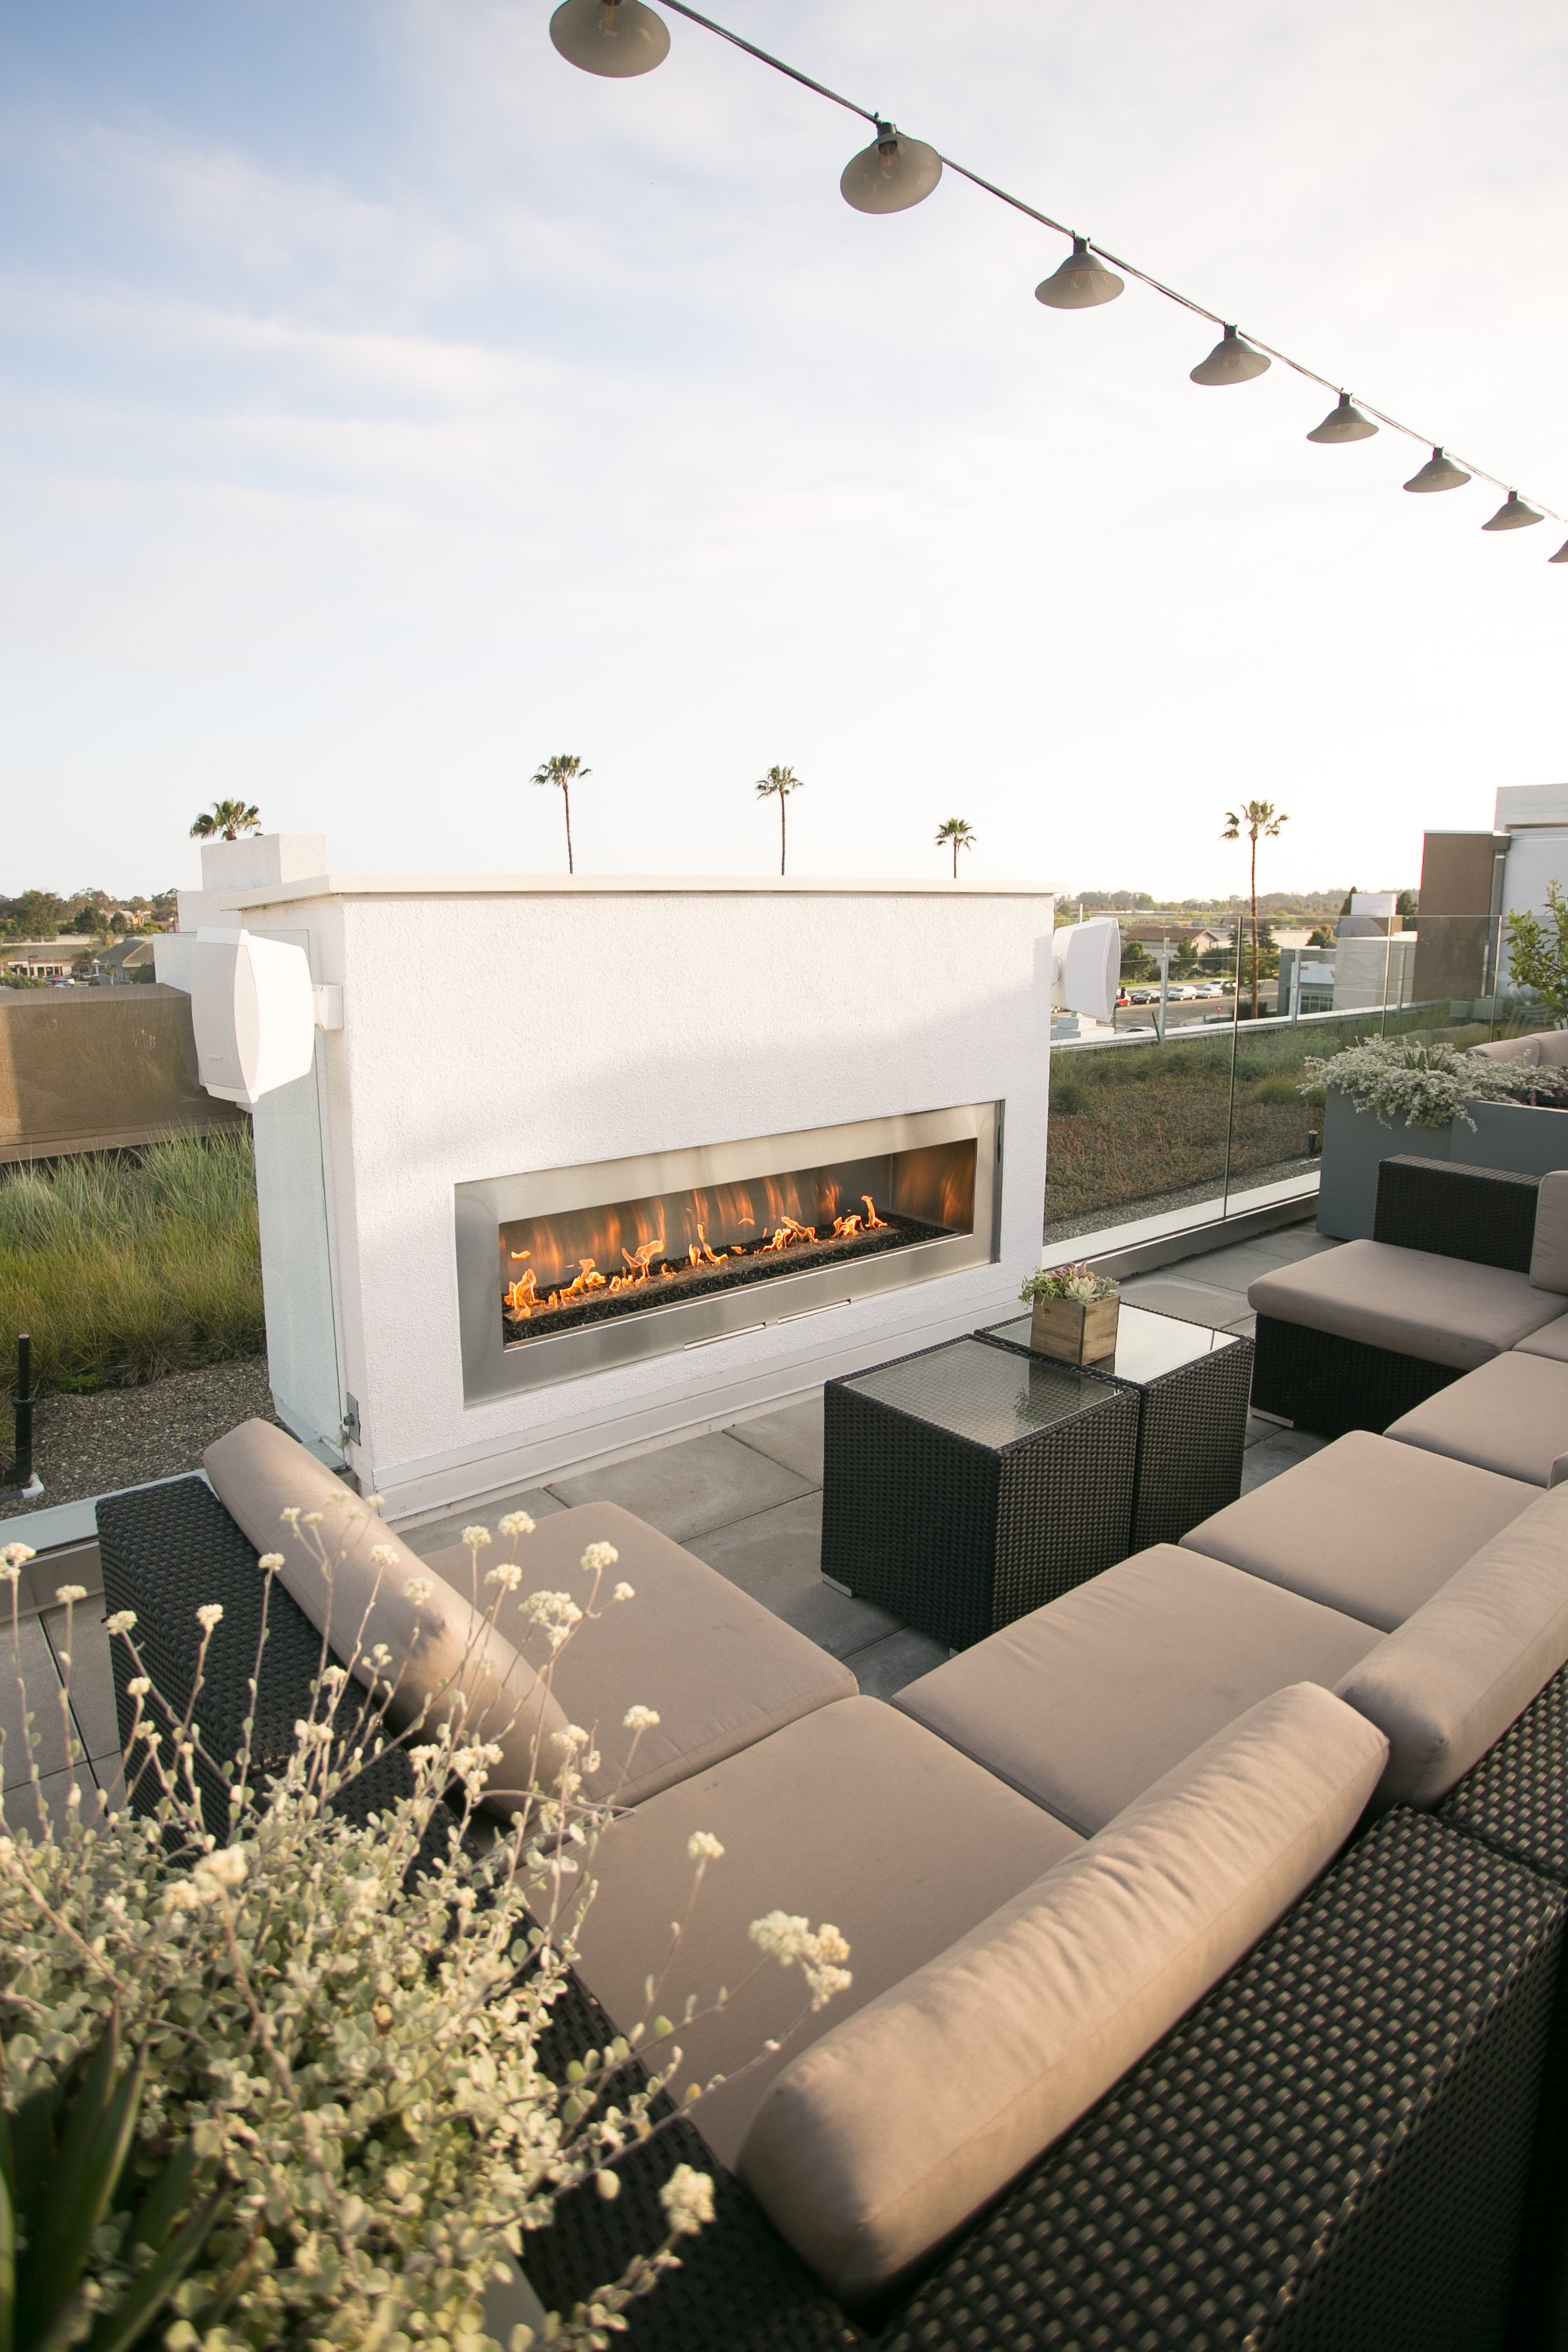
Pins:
x: 1355, y: 1145
x: 1521, y: 1137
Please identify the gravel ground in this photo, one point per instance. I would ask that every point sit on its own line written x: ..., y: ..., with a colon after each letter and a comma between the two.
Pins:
x: 1191, y: 1196
x: 86, y: 1445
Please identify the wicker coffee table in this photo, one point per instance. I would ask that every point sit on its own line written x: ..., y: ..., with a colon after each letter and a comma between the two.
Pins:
x: 966, y: 1484
x: 1191, y: 1385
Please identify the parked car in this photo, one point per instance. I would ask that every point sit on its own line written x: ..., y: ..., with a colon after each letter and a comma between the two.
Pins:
x: 1144, y: 996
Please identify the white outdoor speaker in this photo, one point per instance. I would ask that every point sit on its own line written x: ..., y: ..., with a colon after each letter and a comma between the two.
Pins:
x: 1088, y: 967
x: 254, y: 1012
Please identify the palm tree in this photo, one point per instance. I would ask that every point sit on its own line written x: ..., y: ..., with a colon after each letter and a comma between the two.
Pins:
x: 1258, y: 821
x: 782, y: 781
x: 564, y: 770
x: 227, y: 820
x: 961, y: 834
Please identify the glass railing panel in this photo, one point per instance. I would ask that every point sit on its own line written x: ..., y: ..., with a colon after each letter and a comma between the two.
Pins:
x: 1138, y: 1129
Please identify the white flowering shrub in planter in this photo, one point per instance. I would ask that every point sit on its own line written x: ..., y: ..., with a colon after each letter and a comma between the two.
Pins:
x: 337, y: 2025
x: 1420, y: 1080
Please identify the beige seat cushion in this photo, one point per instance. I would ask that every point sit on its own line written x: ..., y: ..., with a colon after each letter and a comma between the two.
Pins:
x: 853, y: 1816
x: 1085, y: 1703
x: 896, y: 2127
x: 442, y: 1649
x: 1510, y: 1415
x: 720, y: 1670
x: 1441, y: 1309
x: 1551, y: 1341
x: 1524, y: 1050
x: 1548, y: 1256
x: 1366, y: 1526
x: 1446, y: 1686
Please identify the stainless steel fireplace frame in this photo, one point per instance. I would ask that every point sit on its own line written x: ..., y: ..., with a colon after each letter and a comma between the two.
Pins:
x: 494, y: 1367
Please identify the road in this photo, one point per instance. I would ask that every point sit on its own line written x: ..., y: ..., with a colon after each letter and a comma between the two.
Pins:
x: 1191, y: 1014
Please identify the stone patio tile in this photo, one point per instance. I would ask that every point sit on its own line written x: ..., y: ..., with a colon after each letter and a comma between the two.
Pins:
x: 775, y: 1557
x: 1191, y: 1301
x: 689, y: 1489
x: 439, y: 1535
x: 92, y: 1675
x: 42, y: 1684
x: 792, y: 1435
x: 21, y: 1802
x: 1294, y: 1241
x: 1229, y: 1269
x: 1280, y: 1452
x: 886, y: 1666
x: 1245, y: 1326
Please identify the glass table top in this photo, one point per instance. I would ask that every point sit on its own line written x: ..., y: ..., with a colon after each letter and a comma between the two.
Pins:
x: 991, y: 1395
x: 1147, y: 1346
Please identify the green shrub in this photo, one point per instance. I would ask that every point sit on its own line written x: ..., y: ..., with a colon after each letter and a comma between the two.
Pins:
x: 126, y: 1266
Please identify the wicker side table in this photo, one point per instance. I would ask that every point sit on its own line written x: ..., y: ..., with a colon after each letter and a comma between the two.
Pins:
x: 965, y: 1485
x: 1191, y: 1385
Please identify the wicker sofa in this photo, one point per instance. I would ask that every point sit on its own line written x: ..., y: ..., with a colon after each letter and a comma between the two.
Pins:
x: 1328, y: 2136
x: 1465, y: 1264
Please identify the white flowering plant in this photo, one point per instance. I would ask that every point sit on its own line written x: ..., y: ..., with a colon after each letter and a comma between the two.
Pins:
x: 1421, y: 1081
x: 1078, y: 1283
x: 332, y: 2028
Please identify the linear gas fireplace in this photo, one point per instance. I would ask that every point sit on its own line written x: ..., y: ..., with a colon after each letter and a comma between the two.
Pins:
x: 566, y: 1271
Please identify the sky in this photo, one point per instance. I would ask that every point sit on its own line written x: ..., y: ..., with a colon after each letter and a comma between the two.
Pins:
x: 388, y: 405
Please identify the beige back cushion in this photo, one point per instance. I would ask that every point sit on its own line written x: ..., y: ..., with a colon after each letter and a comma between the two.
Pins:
x: 1447, y: 1683
x: 441, y: 1648
x: 1549, y: 1257
x: 1552, y: 1049
x: 887, y: 2135
x: 1510, y: 1049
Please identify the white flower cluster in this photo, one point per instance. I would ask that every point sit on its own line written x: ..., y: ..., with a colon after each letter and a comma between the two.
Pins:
x: 820, y: 1953
x: 1421, y: 1081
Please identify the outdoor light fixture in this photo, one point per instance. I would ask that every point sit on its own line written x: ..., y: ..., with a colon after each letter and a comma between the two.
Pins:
x: 619, y: 38
x: 1512, y: 515
x: 1562, y: 554
x: 1082, y: 281
x: 1439, y: 473
x: 1345, y: 423
x: 891, y: 174
x: 610, y: 37
x: 1230, y: 361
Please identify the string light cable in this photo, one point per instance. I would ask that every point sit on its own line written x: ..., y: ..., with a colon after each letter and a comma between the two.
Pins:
x: 624, y: 38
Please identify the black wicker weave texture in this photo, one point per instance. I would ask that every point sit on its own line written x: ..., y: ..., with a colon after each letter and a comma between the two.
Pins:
x: 1484, y: 1214
x: 1330, y: 1385
x: 167, y: 1549
x: 956, y: 1536
x: 1192, y: 1434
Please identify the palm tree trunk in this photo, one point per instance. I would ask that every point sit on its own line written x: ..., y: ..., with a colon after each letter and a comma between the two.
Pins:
x: 1255, y: 927
x: 955, y: 861
x: 783, y: 843
x: 566, y: 797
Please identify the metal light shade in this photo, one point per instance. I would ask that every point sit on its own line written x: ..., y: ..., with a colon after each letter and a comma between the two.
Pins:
x: 1512, y: 515
x: 1562, y: 554
x: 1230, y: 361
x: 1439, y: 473
x: 1081, y: 283
x: 615, y: 38
x: 1345, y: 423
x: 891, y: 174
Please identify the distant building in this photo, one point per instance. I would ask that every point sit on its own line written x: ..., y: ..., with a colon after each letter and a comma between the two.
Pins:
x: 39, y: 963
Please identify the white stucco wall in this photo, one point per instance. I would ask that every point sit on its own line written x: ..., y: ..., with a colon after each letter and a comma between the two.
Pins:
x: 513, y: 1027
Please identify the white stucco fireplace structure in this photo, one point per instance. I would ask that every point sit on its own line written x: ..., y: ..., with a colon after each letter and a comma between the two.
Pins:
x: 514, y: 1051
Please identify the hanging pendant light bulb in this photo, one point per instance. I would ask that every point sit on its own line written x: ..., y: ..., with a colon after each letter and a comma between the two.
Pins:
x: 1345, y: 423
x: 615, y: 38
x: 1439, y: 473
x: 1512, y: 515
x: 1082, y: 281
x: 1230, y: 361
x: 891, y: 174
x: 1562, y: 554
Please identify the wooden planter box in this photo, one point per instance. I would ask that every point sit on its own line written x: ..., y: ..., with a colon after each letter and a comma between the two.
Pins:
x: 1073, y: 1332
